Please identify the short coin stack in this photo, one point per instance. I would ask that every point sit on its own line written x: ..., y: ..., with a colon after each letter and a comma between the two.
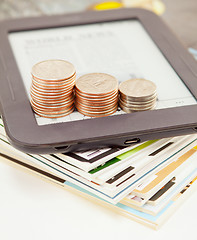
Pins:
x: 137, y: 95
x: 52, y: 88
x: 96, y: 94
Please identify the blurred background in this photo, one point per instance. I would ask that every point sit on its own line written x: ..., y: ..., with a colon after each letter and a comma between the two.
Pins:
x: 180, y: 15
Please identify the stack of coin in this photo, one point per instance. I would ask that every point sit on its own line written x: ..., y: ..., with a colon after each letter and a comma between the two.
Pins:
x: 137, y: 95
x: 96, y: 94
x: 52, y: 88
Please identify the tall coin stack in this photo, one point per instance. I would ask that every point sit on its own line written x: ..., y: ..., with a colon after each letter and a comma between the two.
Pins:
x: 52, y: 88
x: 96, y: 94
x: 137, y: 95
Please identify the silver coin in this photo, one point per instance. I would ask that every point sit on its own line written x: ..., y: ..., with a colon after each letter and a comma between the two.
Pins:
x: 130, y: 110
x: 139, y: 99
x: 137, y: 104
x: 137, y: 108
x: 137, y: 88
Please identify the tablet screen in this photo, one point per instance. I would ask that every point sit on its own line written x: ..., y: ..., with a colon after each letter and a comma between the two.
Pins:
x: 120, y: 48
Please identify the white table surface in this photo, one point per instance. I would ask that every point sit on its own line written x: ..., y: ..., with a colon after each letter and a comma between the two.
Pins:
x: 32, y: 207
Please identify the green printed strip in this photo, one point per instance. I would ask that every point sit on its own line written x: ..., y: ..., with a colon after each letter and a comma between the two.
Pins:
x: 134, y: 150
x: 107, y: 164
x: 4, y: 140
x: 122, y: 156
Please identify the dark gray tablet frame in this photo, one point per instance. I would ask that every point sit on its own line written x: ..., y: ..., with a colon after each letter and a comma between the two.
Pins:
x: 121, y: 130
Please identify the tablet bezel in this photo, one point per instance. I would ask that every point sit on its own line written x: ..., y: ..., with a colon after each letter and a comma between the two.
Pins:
x: 122, y: 130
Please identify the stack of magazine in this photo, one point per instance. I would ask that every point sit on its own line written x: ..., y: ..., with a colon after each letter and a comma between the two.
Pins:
x: 145, y: 182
